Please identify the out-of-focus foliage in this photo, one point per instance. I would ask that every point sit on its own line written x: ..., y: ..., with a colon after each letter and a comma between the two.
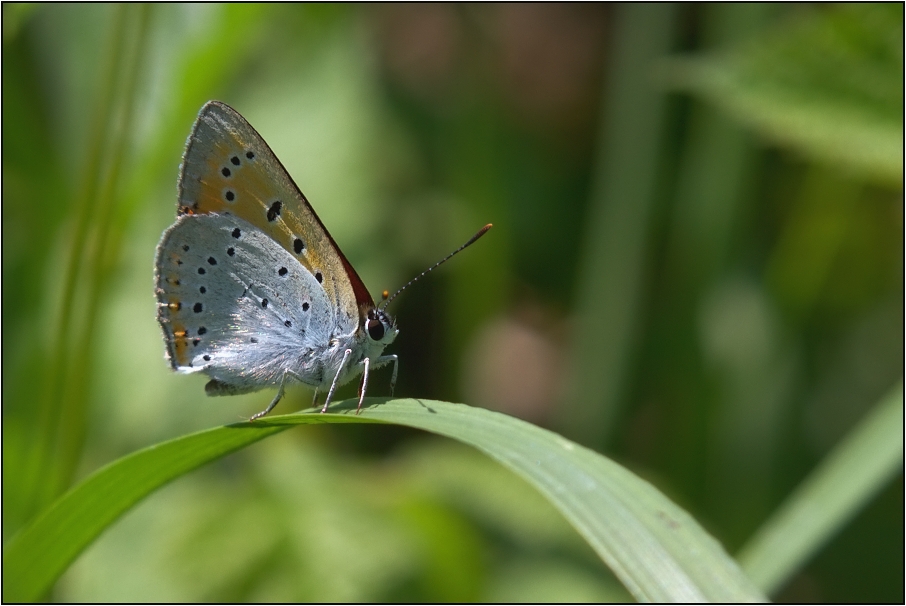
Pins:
x: 741, y: 259
x: 829, y: 85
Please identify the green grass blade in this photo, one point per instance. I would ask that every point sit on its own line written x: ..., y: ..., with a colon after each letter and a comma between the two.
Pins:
x: 845, y: 481
x: 657, y: 550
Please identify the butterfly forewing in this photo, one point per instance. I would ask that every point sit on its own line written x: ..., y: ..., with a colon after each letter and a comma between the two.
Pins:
x: 229, y: 169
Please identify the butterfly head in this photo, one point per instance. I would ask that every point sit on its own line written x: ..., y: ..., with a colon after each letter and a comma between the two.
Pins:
x: 380, y: 327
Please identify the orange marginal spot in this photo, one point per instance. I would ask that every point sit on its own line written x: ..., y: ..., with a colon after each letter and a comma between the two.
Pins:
x: 180, y: 345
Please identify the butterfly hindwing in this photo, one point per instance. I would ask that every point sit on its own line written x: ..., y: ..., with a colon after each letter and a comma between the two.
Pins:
x: 237, y: 305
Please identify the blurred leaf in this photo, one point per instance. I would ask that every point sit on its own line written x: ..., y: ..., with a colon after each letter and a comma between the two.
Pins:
x: 15, y: 15
x: 829, y: 85
x: 656, y: 549
x: 847, y: 479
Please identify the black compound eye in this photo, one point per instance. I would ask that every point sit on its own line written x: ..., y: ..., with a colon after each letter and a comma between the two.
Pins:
x: 375, y: 330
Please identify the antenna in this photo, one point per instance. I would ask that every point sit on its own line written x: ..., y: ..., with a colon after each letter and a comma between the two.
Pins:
x: 387, y: 300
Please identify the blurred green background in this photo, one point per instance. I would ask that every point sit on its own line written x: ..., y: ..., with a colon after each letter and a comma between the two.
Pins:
x: 696, y: 269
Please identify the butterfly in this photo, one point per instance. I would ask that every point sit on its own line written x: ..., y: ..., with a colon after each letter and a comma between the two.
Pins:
x: 252, y: 290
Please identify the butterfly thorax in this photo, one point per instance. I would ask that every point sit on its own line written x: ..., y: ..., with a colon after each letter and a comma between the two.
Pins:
x: 375, y: 331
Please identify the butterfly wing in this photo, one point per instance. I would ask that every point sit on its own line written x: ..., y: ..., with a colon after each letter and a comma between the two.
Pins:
x: 236, y: 305
x: 227, y: 168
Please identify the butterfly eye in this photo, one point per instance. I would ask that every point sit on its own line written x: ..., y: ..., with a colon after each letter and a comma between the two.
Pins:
x: 375, y: 330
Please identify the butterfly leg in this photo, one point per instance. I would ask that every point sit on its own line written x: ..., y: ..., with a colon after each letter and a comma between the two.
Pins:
x: 273, y: 403
x: 383, y: 360
x: 314, y: 400
x: 367, y: 363
x: 333, y: 386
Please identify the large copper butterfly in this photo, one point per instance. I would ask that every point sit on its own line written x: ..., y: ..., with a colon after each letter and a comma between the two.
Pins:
x: 252, y: 290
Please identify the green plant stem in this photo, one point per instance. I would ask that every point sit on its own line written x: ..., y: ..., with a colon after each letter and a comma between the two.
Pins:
x: 615, y: 240
x: 63, y: 396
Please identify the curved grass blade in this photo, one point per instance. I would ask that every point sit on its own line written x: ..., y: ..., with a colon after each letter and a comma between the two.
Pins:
x: 844, y: 482
x: 656, y: 549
